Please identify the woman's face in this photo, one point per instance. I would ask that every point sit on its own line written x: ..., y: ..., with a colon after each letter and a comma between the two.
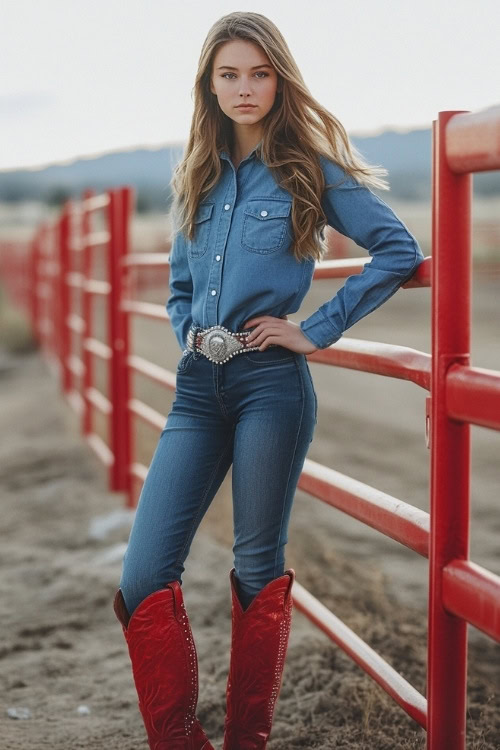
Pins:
x: 242, y: 73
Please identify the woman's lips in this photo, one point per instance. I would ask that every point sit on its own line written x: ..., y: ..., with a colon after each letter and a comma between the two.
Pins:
x: 246, y: 106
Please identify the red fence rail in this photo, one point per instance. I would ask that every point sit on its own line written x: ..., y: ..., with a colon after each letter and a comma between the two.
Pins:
x: 60, y: 262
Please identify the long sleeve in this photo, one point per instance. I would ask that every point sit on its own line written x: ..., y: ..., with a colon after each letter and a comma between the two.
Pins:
x: 356, y: 212
x: 181, y: 290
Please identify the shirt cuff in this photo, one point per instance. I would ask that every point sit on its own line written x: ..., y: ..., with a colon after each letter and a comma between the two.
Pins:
x: 318, y: 329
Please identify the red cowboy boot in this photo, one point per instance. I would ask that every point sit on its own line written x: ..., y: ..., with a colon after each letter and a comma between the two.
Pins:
x: 165, y: 668
x: 259, y: 642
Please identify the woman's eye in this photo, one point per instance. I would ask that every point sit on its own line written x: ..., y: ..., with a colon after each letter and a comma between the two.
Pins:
x: 260, y: 73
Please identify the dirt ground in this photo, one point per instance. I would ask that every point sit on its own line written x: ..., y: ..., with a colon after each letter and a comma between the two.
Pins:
x: 63, y: 534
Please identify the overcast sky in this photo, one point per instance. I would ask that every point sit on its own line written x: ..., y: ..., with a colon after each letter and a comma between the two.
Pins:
x: 80, y: 78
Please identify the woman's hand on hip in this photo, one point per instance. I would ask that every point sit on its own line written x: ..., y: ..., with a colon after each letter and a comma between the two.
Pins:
x: 281, y: 331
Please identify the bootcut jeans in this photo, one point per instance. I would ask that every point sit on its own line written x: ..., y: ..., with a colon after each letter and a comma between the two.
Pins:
x: 258, y: 412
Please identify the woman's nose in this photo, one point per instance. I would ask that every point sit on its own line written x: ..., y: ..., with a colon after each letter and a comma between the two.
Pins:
x: 244, y: 87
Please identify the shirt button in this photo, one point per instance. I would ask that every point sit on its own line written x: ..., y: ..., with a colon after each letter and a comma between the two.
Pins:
x: 263, y: 213
x: 217, y: 257
x: 227, y: 207
x: 213, y: 292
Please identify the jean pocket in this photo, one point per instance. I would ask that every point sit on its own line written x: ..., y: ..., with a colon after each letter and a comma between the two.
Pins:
x: 273, y: 355
x: 185, y: 362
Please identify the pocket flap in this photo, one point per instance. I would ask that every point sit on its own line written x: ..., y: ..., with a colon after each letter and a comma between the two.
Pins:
x: 203, y: 212
x: 268, y: 209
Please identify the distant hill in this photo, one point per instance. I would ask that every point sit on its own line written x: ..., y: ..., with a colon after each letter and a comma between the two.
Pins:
x: 407, y: 156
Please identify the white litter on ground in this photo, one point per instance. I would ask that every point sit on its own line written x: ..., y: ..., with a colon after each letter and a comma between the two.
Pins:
x: 101, y: 526
x: 110, y: 555
x: 19, y: 712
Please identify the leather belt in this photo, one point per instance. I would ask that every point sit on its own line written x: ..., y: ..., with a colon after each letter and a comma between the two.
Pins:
x: 217, y: 343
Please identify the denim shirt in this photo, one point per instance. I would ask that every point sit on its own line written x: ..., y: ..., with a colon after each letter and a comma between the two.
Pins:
x: 238, y: 265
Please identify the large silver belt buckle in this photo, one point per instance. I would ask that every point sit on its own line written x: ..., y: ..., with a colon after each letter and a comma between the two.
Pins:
x: 219, y: 345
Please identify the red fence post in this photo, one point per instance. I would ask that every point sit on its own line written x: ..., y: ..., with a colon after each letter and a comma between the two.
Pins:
x: 88, y: 365
x: 53, y: 305
x: 450, y: 445
x: 34, y: 277
x: 64, y: 300
x: 128, y: 207
x: 43, y: 322
x: 119, y: 372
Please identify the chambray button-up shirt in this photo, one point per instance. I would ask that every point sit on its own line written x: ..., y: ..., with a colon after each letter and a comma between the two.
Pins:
x: 239, y: 266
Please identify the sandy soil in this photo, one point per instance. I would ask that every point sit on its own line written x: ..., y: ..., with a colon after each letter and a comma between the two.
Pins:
x: 62, y: 648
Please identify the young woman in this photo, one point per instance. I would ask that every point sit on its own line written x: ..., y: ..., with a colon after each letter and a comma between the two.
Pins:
x: 265, y: 169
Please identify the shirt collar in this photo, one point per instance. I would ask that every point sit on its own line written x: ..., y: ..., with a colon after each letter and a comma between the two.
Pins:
x: 225, y: 155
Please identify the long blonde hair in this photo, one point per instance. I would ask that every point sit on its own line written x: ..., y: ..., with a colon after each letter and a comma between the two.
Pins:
x: 296, y: 131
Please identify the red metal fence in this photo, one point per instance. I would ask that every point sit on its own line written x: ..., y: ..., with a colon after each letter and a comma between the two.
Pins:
x: 58, y: 266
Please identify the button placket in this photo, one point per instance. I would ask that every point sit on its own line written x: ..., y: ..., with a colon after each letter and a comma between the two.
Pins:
x: 215, y: 278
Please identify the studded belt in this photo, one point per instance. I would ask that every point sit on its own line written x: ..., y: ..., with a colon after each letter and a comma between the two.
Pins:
x: 217, y: 343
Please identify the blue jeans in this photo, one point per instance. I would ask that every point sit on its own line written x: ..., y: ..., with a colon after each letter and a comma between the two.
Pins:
x: 258, y: 412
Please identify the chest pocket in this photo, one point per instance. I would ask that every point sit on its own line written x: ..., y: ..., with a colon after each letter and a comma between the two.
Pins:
x: 202, y: 225
x: 265, y: 225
